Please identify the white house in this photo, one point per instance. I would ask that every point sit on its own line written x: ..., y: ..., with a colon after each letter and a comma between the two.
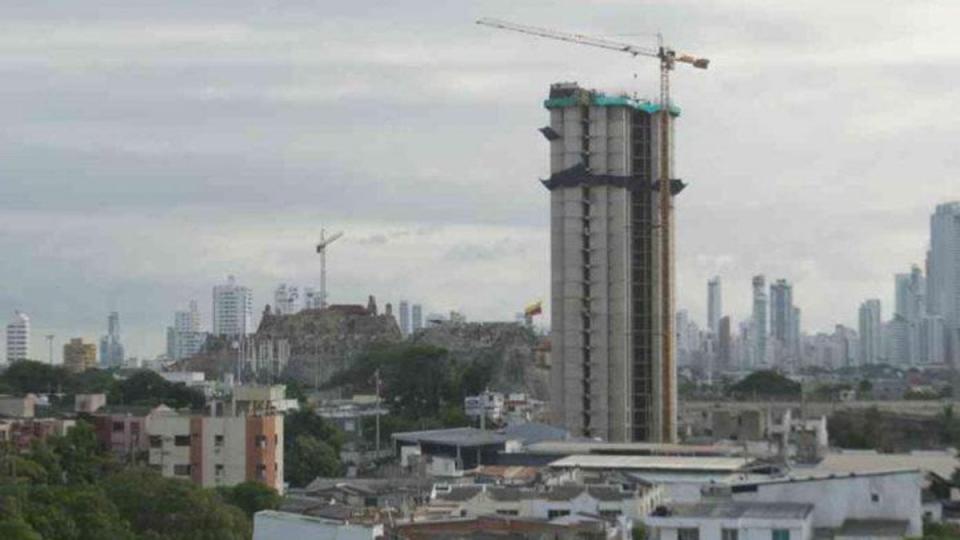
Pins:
x: 730, y: 520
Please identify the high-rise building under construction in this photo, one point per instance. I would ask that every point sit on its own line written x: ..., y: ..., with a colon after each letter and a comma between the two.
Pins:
x: 613, y: 376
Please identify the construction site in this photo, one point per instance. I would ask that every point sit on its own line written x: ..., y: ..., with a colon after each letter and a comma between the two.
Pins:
x: 612, y: 251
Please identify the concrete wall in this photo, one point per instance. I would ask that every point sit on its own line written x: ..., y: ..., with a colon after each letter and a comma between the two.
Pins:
x: 749, y: 529
x: 851, y: 497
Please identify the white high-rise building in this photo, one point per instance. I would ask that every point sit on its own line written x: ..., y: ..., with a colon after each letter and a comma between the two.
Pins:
x: 714, y: 304
x: 871, y: 332
x: 18, y: 338
x: 416, y: 322
x: 232, y: 309
x: 943, y: 274
x: 286, y: 300
x: 405, y: 317
x: 184, y: 338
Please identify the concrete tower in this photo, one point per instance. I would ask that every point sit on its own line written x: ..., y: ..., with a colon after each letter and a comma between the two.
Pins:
x: 759, y: 322
x: 943, y: 275
x: 871, y: 332
x: 610, y: 375
x: 405, y: 318
x: 18, y: 338
x: 714, y: 305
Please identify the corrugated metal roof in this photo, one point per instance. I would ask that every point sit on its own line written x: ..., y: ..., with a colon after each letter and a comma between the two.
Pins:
x: 652, y: 463
x: 466, y: 436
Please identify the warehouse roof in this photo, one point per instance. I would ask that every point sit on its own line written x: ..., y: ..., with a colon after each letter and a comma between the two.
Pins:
x: 466, y: 436
x: 652, y: 463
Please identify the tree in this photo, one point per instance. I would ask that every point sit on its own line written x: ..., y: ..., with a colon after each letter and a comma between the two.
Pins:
x: 308, y: 458
x: 148, y: 388
x: 30, y: 376
x: 251, y: 497
x: 170, y: 509
x: 766, y: 384
x: 17, y: 529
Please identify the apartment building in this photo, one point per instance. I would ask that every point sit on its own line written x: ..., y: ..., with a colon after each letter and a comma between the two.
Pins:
x: 217, y: 450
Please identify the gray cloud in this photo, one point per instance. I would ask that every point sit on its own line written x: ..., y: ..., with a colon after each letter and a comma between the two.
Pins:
x: 149, y: 149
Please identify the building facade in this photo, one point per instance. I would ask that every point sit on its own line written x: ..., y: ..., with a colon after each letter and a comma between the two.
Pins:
x: 416, y: 317
x: 405, y: 318
x: 111, y: 348
x: 232, y: 309
x: 611, y: 375
x: 758, y: 323
x: 871, y: 332
x: 18, y: 338
x: 943, y: 274
x: 184, y: 338
x: 286, y: 300
x: 79, y: 356
x: 714, y: 304
x: 217, y: 451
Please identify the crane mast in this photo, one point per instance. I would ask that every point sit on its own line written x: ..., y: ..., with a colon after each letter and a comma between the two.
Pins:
x: 668, y: 59
x: 322, y: 250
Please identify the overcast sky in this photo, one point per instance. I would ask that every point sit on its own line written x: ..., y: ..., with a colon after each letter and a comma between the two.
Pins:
x: 149, y: 149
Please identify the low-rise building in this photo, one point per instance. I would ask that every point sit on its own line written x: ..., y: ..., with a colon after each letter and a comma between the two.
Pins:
x: 18, y: 407
x: 89, y: 403
x: 21, y: 432
x: 79, y: 356
x: 605, y: 500
x: 217, y: 450
x: 449, y: 452
x: 732, y: 521
x: 273, y: 525
x: 123, y: 429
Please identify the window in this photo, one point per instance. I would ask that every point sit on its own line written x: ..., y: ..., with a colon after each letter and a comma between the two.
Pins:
x: 874, y: 497
x: 117, y: 426
x: 218, y: 469
x: 181, y: 470
x: 688, y: 534
x: 181, y: 440
x: 260, y: 441
x: 156, y: 441
x: 609, y: 513
x: 505, y: 512
x: 218, y: 440
x: 729, y: 534
x: 261, y: 472
x: 781, y: 534
x: 553, y: 514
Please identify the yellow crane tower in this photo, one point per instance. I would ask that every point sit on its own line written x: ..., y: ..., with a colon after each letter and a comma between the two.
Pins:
x: 668, y: 60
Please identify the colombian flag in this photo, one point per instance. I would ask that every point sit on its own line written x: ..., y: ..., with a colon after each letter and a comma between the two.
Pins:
x: 535, y: 308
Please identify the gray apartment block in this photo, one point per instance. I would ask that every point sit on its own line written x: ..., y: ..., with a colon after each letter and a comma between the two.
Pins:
x: 609, y: 375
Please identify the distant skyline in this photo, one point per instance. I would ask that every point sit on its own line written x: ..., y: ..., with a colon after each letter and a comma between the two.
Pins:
x: 149, y: 151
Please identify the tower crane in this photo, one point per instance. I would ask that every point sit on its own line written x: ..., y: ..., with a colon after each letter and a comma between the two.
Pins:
x: 668, y: 59
x: 322, y: 250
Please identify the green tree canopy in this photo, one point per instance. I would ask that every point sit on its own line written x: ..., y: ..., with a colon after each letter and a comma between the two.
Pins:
x: 251, y: 497
x: 766, y: 384
x: 310, y: 457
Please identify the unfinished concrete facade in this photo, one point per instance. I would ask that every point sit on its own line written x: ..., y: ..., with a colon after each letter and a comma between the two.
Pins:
x: 610, y: 377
